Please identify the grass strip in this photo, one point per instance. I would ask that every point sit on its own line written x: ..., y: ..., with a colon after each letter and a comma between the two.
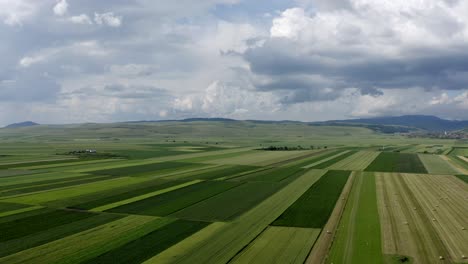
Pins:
x: 36, y: 239
x: 231, y: 203
x: 147, y: 169
x: 144, y: 196
x: 327, y: 163
x: 167, y: 203
x: 37, y: 223
x: 358, y: 238
x: 279, y: 245
x: 151, y: 244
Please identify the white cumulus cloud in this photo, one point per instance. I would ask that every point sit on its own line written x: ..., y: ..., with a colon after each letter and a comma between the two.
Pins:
x: 108, y: 19
x: 81, y: 19
x: 61, y: 8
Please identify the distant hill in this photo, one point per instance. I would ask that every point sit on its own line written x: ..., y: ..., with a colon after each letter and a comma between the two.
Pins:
x: 22, y: 124
x: 429, y: 123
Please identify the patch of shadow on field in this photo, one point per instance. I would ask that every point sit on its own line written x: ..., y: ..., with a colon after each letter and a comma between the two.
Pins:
x: 397, y: 259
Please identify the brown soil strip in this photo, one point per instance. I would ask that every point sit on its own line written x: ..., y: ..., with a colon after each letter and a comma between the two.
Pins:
x: 323, y: 244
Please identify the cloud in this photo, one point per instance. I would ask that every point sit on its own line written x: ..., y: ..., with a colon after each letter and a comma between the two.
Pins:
x: 61, y: 8
x: 15, y: 12
x: 108, y: 19
x: 81, y: 19
x: 364, y: 44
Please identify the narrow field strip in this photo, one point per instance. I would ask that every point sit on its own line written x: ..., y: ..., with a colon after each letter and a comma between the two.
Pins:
x: 37, y: 163
x: 116, y: 195
x: 19, y: 210
x: 12, y: 173
x: 5, y: 207
x: 328, y: 163
x: 271, y: 175
x: 463, y: 177
x: 88, y: 244
x: 147, y: 169
x: 436, y: 165
x: 228, y: 240
x: 143, y: 248
x: 358, y: 238
x: 37, y: 223
x: 61, y: 194
x: 357, y: 161
x: 37, y: 177
x: 231, y: 203
x: 323, y: 244
x: 223, y: 171
x: 143, y: 196
x: 44, y: 182
x: 326, y: 159
x: 61, y: 231
x: 409, y: 228
x: 170, y: 202
x: 314, y: 207
x: 463, y: 158
x: 66, y: 164
x: 462, y: 168
x: 167, y: 256
x: 53, y: 186
x: 279, y: 245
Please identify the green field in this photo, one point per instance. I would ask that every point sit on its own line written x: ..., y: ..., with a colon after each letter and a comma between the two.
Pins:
x: 222, y: 192
x: 314, y: 207
x: 397, y: 162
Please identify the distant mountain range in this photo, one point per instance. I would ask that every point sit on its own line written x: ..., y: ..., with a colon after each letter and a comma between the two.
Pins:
x: 429, y: 123
x: 22, y: 124
x: 390, y: 124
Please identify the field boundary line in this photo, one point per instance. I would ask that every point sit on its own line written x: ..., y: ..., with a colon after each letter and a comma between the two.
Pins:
x: 458, y: 167
x: 327, y: 159
x: 144, y: 196
x: 323, y: 244
x: 22, y: 210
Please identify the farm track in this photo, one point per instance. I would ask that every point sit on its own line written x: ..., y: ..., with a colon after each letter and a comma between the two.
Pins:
x: 406, y: 204
x: 463, y: 158
x: 457, y: 166
x: 322, y: 246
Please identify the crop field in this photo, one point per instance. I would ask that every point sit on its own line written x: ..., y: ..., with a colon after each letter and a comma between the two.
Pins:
x: 437, y: 165
x: 357, y: 161
x: 155, y: 193
x: 314, y: 207
x: 397, y: 162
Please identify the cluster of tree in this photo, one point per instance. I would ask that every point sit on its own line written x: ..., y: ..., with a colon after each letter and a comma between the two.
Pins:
x: 286, y: 148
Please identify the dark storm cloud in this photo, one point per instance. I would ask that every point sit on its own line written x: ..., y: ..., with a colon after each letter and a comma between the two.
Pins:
x: 280, y: 59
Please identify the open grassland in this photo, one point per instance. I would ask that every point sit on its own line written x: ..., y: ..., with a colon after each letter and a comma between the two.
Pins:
x: 358, y: 238
x: 436, y: 165
x: 423, y: 217
x: 459, y: 151
x: 357, y: 161
x: 397, y: 162
x: 314, y: 207
x: 279, y: 245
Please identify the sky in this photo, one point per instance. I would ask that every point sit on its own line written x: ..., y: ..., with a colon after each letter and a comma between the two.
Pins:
x: 75, y: 61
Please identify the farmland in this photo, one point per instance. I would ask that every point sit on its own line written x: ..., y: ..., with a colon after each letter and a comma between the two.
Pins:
x: 216, y: 194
